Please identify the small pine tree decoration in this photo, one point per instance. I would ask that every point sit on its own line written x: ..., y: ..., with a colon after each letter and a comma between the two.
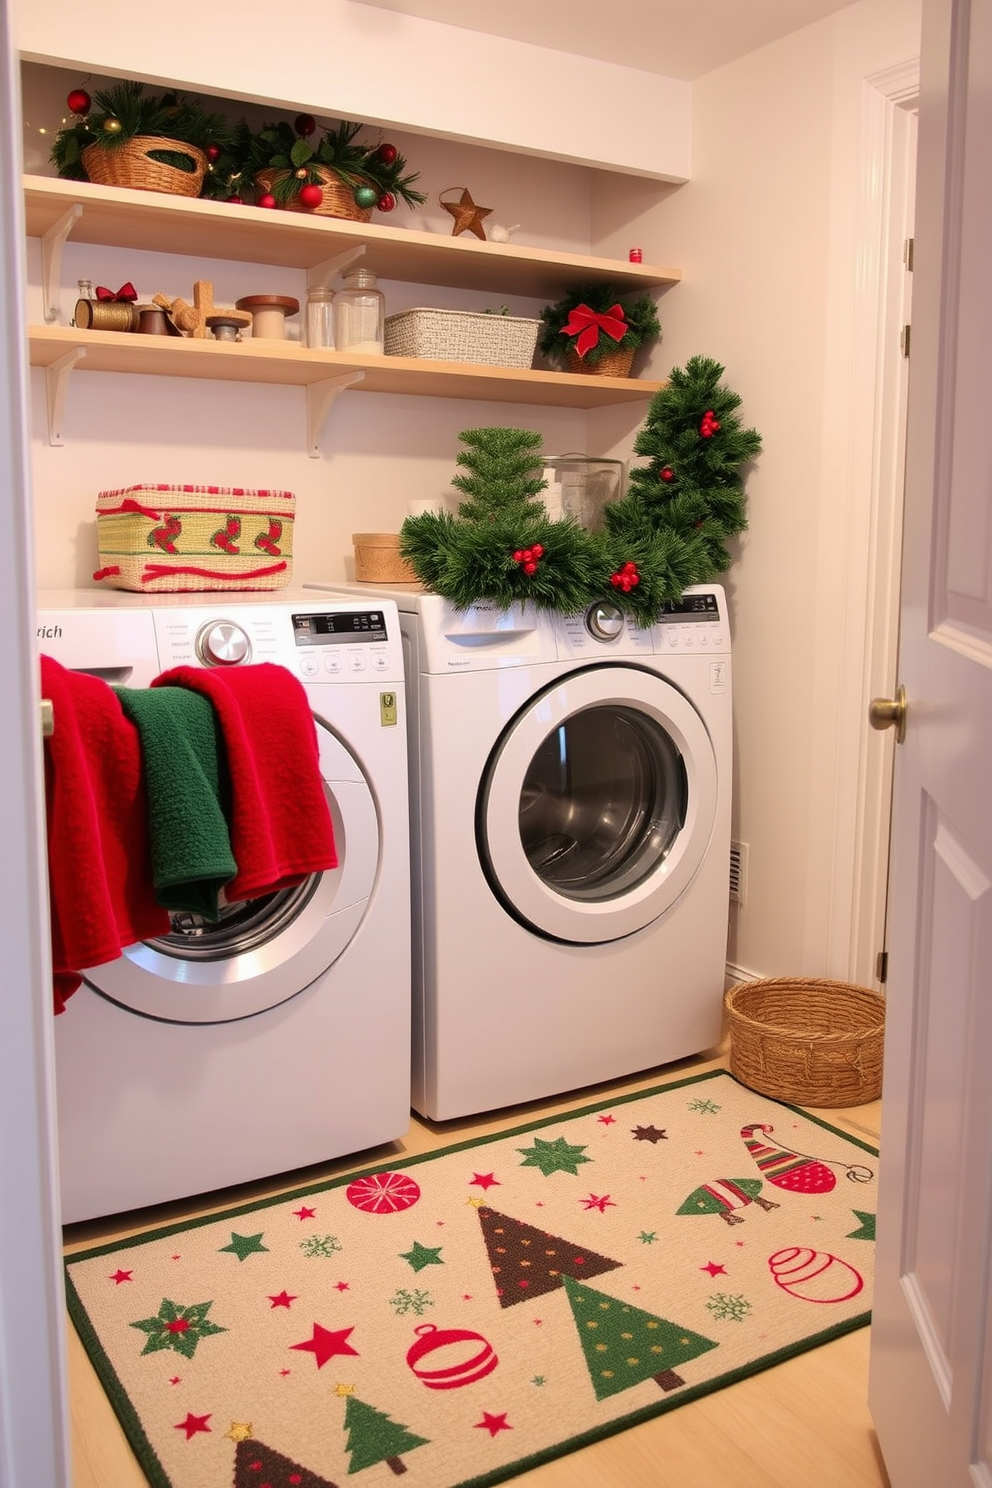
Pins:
x: 669, y: 531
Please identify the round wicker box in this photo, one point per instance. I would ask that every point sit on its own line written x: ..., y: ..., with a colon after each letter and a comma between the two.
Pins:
x: 610, y: 364
x: 378, y: 561
x: 337, y: 197
x: 812, y: 1042
x: 132, y: 165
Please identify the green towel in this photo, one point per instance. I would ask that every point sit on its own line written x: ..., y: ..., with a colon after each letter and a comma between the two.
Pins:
x: 186, y: 781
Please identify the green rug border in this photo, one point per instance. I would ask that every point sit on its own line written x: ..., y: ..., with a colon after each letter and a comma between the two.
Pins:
x: 131, y: 1422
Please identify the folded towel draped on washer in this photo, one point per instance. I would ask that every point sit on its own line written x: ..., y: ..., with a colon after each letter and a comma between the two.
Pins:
x: 140, y: 820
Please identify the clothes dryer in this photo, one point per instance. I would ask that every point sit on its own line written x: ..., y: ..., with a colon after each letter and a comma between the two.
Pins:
x: 570, y: 792
x: 279, y: 1037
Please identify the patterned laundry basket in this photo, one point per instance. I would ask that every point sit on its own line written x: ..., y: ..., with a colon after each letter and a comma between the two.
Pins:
x: 174, y: 538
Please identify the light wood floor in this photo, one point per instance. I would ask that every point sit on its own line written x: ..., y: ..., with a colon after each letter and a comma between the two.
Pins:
x: 803, y: 1424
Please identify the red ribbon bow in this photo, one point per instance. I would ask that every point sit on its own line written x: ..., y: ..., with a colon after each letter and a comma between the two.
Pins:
x: 586, y: 324
x: 127, y: 294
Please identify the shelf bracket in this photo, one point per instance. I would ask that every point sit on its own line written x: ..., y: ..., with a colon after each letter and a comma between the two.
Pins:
x: 52, y: 243
x: 329, y: 268
x: 320, y: 396
x: 56, y: 384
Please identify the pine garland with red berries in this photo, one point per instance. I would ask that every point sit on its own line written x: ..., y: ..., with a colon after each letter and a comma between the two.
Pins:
x: 669, y: 531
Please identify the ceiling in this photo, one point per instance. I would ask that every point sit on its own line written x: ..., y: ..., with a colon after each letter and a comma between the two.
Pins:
x: 675, y: 38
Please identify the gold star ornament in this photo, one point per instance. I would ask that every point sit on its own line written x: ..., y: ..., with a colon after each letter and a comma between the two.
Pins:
x: 468, y: 217
x: 240, y: 1431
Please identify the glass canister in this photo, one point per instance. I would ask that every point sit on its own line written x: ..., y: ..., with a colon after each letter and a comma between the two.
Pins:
x: 359, y: 313
x: 587, y: 485
x: 318, y: 319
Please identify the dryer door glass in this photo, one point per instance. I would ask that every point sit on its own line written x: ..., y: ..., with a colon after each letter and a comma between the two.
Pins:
x: 598, y: 804
x: 602, y: 802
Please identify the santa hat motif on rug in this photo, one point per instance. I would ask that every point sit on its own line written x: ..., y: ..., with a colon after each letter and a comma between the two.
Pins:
x: 795, y: 1171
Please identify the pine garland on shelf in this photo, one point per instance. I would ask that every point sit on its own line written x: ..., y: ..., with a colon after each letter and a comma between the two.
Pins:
x: 669, y: 531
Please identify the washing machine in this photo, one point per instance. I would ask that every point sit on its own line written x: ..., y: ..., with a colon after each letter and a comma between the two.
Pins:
x: 570, y: 804
x: 280, y: 1036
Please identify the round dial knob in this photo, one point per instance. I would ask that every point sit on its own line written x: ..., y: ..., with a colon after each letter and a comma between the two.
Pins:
x: 222, y: 643
x: 605, y: 622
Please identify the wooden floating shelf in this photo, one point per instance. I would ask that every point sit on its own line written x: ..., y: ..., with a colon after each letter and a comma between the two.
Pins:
x: 156, y: 222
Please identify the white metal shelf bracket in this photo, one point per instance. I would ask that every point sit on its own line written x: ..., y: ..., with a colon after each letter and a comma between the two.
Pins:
x: 56, y: 385
x: 52, y: 243
x: 328, y: 268
x: 320, y: 396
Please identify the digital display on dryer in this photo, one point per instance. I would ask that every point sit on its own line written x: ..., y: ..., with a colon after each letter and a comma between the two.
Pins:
x: 339, y: 628
x: 693, y: 606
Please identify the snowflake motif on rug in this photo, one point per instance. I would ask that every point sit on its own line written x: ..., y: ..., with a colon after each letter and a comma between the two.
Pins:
x: 417, y: 1302
x: 729, y: 1309
x: 704, y: 1107
x: 320, y: 1245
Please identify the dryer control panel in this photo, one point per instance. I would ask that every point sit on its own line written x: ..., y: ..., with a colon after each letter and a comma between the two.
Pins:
x: 693, y: 623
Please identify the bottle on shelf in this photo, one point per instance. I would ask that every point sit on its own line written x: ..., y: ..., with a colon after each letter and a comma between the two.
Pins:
x: 318, y: 320
x: 359, y: 313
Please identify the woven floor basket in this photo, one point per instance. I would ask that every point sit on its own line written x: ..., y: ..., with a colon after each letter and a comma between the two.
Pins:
x: 611, y: 364
x: 337, y: 199
x: 816, y: 1043
x: 131, y: 165
x: 462, y: 336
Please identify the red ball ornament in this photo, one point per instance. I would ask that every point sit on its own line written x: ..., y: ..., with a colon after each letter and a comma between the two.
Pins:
x: 237, y: 201
x: 311, y: 196
x: 387, y: 154
x: 386, y: 202
x: 518, y: 556
x: 265, y: 200
x: 668, y: 474
x: 304, y: 124
x: 79, y: 101
x: 530, y: 567
x: 538, y: 550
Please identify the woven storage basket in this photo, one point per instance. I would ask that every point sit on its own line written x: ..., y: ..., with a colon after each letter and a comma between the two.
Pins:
x: 337, y: 198
x: 813, y: 1042
x: 611, y: 364
x: 378, y: 561
x: 170, y: 538
x: 131, y: 165
x: 462, y: 336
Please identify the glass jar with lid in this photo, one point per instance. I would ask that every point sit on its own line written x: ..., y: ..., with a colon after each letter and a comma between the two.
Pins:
x: 318, y: 321
x: 359, y: 313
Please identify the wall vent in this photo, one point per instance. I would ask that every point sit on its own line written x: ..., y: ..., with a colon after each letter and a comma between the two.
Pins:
x: 738, y: 873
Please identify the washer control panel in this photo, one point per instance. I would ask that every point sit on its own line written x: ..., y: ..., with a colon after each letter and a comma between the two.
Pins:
x: 692, y: 623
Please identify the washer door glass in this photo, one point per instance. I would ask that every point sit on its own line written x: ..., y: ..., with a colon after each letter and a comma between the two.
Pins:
x: 264, y: 951
x: 598, y: 805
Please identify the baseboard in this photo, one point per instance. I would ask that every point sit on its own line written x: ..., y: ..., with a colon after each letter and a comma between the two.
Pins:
x: 733, y: 974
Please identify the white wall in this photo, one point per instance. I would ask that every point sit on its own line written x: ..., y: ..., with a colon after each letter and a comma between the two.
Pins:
x: 766, y: 233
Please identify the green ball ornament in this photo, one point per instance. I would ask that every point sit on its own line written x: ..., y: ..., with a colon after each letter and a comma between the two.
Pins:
x: 112, y: 125
x: 366, y: 196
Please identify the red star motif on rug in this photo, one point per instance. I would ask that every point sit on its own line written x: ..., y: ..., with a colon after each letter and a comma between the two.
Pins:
x: 714, y: 1269
x: 595, y: 1202
x: 120, y: 1276
x: 281, y: 1299
x: 193, y: 1424
x: 607, y: 1120
x: 325, y: 1343
x: 304, y: 1213
x: 493, y: 1424
x: 341, y: 1286
x: 484, y: 1180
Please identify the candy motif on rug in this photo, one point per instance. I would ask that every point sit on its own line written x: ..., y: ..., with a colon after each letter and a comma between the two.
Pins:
x: 814, y: 1275
x: 796, y: 1172
x: 723, y: 1196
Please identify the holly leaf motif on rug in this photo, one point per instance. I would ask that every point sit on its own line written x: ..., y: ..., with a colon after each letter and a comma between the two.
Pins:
x: 553, y: 1157
x: 177, y: 1327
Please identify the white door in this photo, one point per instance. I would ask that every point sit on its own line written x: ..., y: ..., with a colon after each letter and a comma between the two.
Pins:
x: 931, y: 1368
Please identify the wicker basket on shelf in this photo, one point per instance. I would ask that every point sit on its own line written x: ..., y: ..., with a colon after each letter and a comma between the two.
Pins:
x: 131, y: 165
x: 610, y: 364
x: 812, y: 1042
x: 378, y: 560
x: 462, y: 336
x: 337, y: 198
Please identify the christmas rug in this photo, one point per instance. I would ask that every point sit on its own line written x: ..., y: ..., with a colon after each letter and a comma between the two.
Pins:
x: 465, y: 1315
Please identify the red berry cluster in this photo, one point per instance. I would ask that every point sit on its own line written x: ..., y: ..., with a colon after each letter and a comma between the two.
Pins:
x: 709, y: 425
x: 626, y: 578
x: 529, y: 558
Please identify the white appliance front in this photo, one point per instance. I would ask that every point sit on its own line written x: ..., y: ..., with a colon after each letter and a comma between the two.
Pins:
x: 279, y: 1037
x: 570, y: 787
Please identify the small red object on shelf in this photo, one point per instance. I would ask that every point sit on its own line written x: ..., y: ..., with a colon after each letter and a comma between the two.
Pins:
x: 636, y: 255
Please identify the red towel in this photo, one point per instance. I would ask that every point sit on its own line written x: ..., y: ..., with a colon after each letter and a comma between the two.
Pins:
x: 280, y: 823
x: 100, y: 884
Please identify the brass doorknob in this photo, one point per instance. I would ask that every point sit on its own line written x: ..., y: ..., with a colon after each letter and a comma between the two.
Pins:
x: 886, y: 713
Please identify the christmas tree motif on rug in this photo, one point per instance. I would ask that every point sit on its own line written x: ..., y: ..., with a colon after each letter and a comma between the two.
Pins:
x: 259, y: 1466
x: 373, y: 1437
x: 624, y: 1345
x: 723, y: 1196
x: 527, y: 1262
x: 795, y: 1171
